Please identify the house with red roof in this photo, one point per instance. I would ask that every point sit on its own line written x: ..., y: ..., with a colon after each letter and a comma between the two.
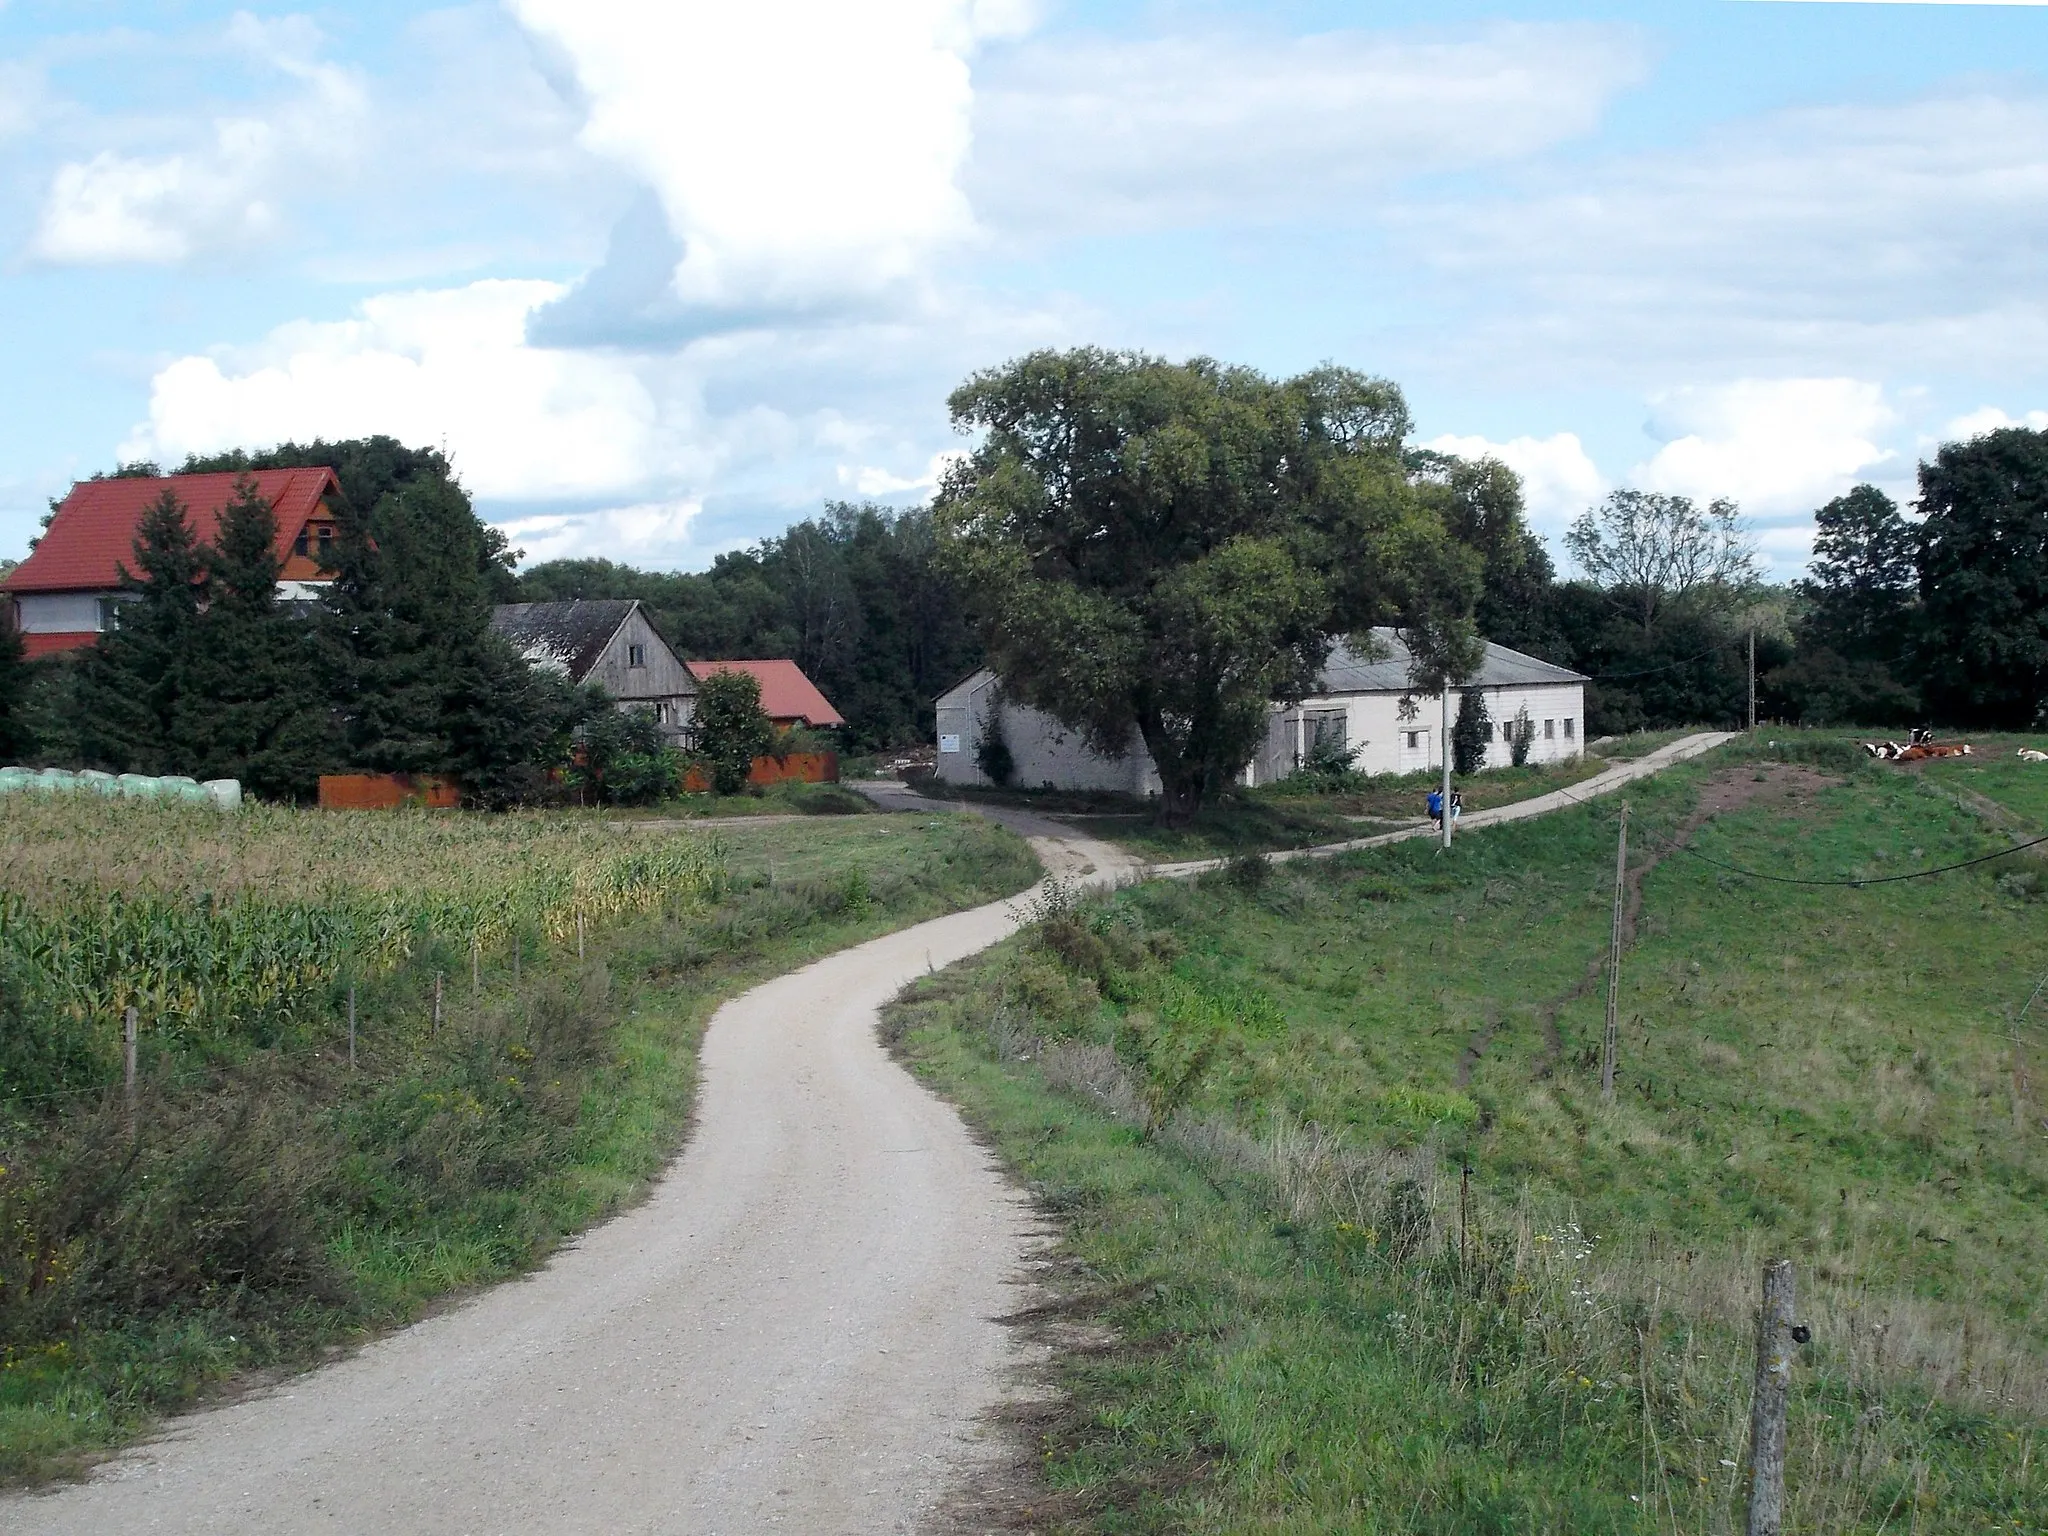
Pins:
x: 64, y: 594
x: 789, y: 698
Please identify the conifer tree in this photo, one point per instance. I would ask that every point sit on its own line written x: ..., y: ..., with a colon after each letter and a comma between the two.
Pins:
x: 1471, y: 732
x: 251, y: 706
x: 130, y: 682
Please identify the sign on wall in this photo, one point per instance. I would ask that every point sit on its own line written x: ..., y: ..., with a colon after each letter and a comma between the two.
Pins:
x: 949, y: 743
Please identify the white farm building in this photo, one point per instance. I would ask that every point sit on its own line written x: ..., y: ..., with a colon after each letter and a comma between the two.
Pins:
x: 1363, y: 704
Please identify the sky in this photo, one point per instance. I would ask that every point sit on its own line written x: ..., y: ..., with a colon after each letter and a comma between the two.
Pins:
x: 664, y: 276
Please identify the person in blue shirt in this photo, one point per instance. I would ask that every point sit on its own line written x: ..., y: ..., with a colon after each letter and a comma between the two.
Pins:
x: 1436, y: 809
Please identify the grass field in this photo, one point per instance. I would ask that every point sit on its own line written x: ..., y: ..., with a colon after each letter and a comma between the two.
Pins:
x: 1250, y: 1102
x: 268, y: 1200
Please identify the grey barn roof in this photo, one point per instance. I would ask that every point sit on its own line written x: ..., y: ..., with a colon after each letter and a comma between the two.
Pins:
x: 1347, y: 672
x: 571, y: 636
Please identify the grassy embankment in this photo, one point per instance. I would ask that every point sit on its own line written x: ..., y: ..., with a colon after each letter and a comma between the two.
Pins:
x: 786, y: 799
x: 270, y: 1201
x: 1248, y: 1101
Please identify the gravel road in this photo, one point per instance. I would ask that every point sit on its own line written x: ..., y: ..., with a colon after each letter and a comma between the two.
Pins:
x: 794, y: 1332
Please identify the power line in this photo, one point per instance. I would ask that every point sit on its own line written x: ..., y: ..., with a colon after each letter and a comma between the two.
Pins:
x: 1918, y: 874
x: 1672, y: 666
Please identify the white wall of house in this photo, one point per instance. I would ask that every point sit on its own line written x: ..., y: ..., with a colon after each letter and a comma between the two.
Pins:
x: 59, y: 613
x: 1392, y: 739
x: 1045, y: 752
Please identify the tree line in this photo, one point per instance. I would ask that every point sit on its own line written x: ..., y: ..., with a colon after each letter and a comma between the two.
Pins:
x: 1134, y: 545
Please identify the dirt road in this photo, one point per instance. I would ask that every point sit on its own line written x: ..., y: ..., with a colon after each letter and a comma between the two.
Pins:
x: 793, y: 1333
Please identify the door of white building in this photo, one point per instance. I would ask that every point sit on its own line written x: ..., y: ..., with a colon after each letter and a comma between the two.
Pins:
x: 1415, y: 749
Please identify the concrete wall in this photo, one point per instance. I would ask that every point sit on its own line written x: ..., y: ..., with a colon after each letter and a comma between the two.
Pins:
x: 1375, y: 724
x: 1045, y: 752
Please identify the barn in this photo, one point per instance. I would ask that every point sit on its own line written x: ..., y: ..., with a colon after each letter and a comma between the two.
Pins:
x: 609, y: 642
x: 1362, y: 704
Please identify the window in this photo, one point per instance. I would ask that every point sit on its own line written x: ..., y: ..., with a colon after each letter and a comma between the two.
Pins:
x: 299, y: 545
x: 1567, y: 730
x: 636, y: 655
x: 1414, y: 740
x: 110, y: 615
x: 1322, y: 730
x: 326, y: 540
x: 1550, y: 730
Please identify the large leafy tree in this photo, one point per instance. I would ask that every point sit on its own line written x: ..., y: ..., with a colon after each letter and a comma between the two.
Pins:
x: 1983, y: 565
x: 730, y: 727
x: 129, y: 683
x: 1857, y: 617
x: 1480, y: 501
x: 250, y: 703
x: 1647, y: 551
x: 1159, y: 551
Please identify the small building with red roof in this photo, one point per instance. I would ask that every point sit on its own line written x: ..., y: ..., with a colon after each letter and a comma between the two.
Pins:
x: 63, y: 594
x: 788, y: 697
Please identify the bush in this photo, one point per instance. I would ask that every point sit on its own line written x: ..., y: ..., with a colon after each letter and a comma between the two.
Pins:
x: 1469, y: 736
x: 992, y: 754
x: 732, y: 728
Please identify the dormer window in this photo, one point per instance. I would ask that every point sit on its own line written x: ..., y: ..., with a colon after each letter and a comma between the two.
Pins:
x: 326, y: 542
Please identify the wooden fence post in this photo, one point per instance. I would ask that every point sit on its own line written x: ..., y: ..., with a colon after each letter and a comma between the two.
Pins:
x: 1611, y: 1043
x: 128, y: 1023
x: 579, y: 935
x: 437, y: 1003
x: 1774, y: 1340
x: 351, y: 1024
x: 476, y: 965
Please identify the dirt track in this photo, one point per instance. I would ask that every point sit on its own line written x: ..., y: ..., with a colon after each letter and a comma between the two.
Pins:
x: 794, y: 1332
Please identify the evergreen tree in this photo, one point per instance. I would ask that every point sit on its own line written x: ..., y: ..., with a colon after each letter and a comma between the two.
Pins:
x: 1470, y: 733
x: 14, y: 681
x: 130, y: 682
x: 251, y: 705
x: 423, y: 684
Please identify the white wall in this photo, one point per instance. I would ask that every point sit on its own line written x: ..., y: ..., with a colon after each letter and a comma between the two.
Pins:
x: 1375, y: 725
x: 58, y: 613
x: 1045, y: 752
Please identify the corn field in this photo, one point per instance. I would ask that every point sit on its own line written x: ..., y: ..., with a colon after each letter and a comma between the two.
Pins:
x: 203, y: 922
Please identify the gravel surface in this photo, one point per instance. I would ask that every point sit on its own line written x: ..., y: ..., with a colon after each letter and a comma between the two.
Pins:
x: 794, y: 1332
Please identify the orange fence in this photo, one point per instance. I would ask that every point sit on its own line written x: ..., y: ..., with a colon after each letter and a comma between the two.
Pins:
x: 387, y: 791
x: 798, y: 767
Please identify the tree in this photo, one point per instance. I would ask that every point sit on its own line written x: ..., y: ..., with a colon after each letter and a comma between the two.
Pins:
x: 1647, y: 551
x: 422, y: 682
x: 250, y: 704
x: 624, y: 759
x: 1162, y: 551
x: 1481, y: 504
x: 129, y: 684
x: 1983, y: 565
x: 1861, y: 587
x: 992, y: 753
x: 14, y: 688
x: 731, y: 728
x: 1471, y: 733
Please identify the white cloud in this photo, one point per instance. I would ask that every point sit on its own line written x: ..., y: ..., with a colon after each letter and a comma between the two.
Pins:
x: 1096, y: 132
x: 871, y: 480
x: 219, y: 193
x: 803, y: 150
x: 1774, y: 445
x: 1989, y: 418
x: 1860, y: 239
x: 447, y: 366
x: 1559, y: 478
x: 655, y: 533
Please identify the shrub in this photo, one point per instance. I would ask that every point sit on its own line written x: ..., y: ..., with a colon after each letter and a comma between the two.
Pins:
x: 732, y: 728
x: 1471, y: 732
x: 992, y: 755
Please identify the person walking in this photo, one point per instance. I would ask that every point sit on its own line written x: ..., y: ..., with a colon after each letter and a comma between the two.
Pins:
x: 1436, y: 809
x: 1457, y: 805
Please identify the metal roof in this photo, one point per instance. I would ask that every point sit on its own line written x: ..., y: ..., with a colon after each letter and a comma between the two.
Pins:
x: 1348, y: 672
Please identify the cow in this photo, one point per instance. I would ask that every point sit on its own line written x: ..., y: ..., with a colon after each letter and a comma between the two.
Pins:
x: 2029, y: 755
x: 1917, y: 754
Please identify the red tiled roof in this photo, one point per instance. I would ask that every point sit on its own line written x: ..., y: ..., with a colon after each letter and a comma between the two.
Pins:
x: 93, y: 532
x: 786, y: 694
x: 49, y: 645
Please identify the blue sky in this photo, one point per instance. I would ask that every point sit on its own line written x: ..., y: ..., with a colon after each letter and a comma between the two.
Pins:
x: 665, y: 275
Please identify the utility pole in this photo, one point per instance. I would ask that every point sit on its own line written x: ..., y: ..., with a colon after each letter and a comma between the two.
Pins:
x: 1444, y: 689
x: 1752, y: 679
x: 1610, y: 1044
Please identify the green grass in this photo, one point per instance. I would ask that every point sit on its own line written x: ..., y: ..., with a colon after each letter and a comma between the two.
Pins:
x: 279, y: 1205
x: 1248, y: 1101
x: 1634, y: 744
x: 786, y: 799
